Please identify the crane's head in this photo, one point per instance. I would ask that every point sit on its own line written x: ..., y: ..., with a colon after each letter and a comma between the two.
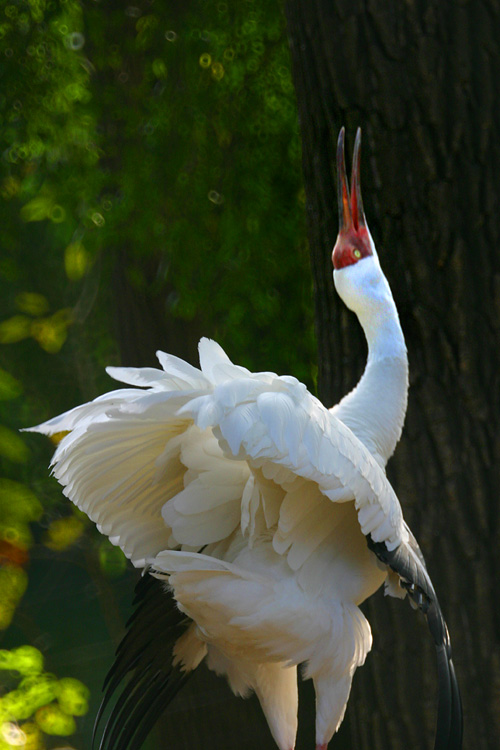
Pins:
x: 353, y: 242
x: 358, y: 278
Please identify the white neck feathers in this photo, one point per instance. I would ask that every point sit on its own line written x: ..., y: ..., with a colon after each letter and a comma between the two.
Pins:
x: 376, y: 408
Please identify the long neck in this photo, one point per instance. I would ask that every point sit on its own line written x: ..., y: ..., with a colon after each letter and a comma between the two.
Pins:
x: 376, y: 408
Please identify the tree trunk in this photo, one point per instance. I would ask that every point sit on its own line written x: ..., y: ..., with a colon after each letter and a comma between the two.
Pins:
x: 422, y: 80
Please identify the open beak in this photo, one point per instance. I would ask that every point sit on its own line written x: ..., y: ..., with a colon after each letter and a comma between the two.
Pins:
x: 351, y: 213
x: 345, y: 217
x: 358, y: 214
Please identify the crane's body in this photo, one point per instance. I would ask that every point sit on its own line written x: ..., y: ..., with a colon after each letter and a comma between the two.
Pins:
x: 268, y: 517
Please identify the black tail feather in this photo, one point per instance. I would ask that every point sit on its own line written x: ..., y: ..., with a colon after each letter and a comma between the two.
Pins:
x: 449, y: 719
x: 156, y: 707
x: 145, y: 657
x: 407, y: 561
x: 456, y: 732
x: 443, y: 723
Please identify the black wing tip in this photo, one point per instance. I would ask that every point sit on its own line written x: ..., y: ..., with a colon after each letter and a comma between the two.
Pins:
x: 457, y: 716
x: 415, y: 579
x: 138, y: 707
x: 144, y: 656
x: 449, y: 723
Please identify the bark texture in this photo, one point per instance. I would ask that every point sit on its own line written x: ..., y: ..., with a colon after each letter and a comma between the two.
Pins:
x: 422, y: 79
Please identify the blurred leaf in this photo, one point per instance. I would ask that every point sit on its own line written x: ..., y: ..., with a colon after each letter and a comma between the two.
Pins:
x: 72, y: 696
x: 76, y: 261
x: 111, y: 559
x: 12, y: 446
x: 64, y: 532
x: 18, y: 502
x: 38, y: 690
x: 39, y: 694
x: 15, y: 329
x: 27, y: 660
x: 10, y: 187
x: 13, y: 583
x: 14, y: 705
x: 28, y: 737
x: 51, y: 333
x: 15, y: 540
x: 159, y: 68
x: 10, y: 387
x: 11, y: 734
x: 38, y: 208
x: 32, y: 303
x: 53, y: 720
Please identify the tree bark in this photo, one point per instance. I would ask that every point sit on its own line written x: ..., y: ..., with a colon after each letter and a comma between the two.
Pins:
x: 422, y: 80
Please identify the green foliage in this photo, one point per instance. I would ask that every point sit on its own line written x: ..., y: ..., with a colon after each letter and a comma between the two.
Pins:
x: 44, y: 86
x: 35, y: 701
x: 156, y: 144
x: 193, y: 111
x: 111, y: 559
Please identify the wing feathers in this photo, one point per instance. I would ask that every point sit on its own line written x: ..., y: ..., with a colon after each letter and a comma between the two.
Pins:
x: 262, y: 618
x: 227, y: 461
x: 144, y: 657
x: 406, y: 560
x: 276, y: 421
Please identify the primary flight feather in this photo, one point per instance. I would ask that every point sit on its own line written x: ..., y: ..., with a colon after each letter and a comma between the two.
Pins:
x: 261, y: 519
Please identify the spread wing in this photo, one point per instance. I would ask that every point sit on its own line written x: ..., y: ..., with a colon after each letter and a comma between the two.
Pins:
x: 278, y: 426
x: 151, y: 468
x: 286, y: 435
x: 193, y: 458
x: 121, y: 461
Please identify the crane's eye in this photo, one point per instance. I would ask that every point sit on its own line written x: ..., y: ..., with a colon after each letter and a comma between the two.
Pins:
x: 357, y: 253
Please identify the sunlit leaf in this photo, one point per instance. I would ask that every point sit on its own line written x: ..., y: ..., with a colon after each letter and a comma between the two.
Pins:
x: 159, y: 68
x: 12, y: 446
x: 15, y: 329
x: 52, y: 720
x: 27, y: 660
x: 13, y: 583
x: 14, y: 705
x: 63, y: 532
x: 76, y: 261
x: 38, y: 208
x: 38, y: 690
x: 51, y: 333
x: 72, y: 696
x: 5, y: 659
x: 32, y: 303
x: 10, y: 387
x: 11, y: 735
x: 33, y: 739
x: 18, y: 502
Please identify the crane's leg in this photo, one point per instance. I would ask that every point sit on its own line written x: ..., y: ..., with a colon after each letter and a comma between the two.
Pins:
x: 332, y: 693
x: 276, y: 687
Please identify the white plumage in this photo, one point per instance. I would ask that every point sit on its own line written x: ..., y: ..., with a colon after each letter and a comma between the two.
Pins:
x: 254, y: 503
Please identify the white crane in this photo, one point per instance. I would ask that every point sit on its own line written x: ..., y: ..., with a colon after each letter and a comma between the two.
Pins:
x: 265, y: 516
